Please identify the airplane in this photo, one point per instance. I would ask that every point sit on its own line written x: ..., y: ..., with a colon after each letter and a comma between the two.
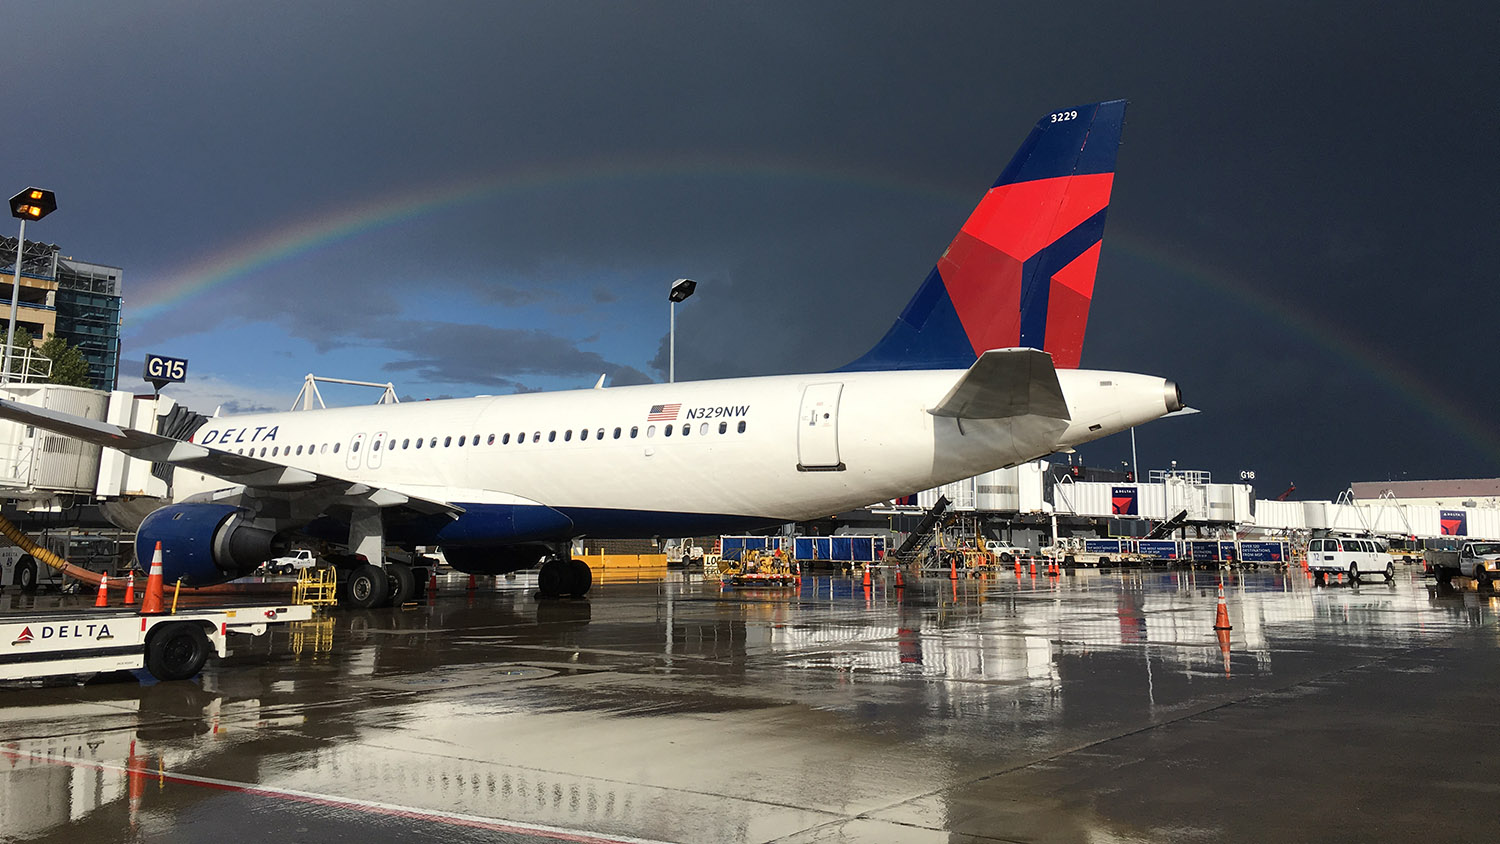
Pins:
x: 979, y: 372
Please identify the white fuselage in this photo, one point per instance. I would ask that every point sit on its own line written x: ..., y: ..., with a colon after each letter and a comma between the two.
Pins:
x: 779, y: 448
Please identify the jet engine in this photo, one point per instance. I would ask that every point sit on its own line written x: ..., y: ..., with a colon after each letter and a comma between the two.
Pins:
x: 202, y: 544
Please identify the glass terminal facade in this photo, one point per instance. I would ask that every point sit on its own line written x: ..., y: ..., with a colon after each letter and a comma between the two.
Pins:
x: 83, y: 300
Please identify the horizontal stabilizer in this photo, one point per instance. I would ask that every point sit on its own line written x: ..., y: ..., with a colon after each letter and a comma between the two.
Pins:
x: 1006, y: 383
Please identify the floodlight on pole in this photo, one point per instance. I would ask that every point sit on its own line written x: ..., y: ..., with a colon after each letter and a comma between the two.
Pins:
x: 681, y: 289
x: 29, y: 204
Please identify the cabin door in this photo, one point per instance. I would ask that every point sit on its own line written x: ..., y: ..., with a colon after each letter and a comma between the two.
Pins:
x: 818, y: 429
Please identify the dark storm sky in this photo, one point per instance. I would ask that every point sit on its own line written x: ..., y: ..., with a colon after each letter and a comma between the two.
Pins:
x: 1302, y: 230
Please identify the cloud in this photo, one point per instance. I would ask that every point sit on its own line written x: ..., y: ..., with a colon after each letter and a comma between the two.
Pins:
x: 496, y: 357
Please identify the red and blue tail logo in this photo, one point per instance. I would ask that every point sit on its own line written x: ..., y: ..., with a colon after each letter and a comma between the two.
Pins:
x: 1021, y: 271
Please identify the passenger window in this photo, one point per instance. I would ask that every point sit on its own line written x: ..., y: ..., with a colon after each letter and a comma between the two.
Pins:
x: 551, y: 436
x: 299, y: 451
x: 583, y: 434
x: 650, y: 431
x: 274, y: 449
x: 323, y: 449
x: 433, y: 444
x: 687, y: 428
x: 742, y: 427
x: 461, y: 441
x: 447, y: 442
x: 355, y: 447
x: 405, y: 444
x: 335, y: 448
x: 537, y: 437
x: 600, y: 434
x: 723, y: 427
x: 633, y: 430
x: 703, y: 430
x: 419, y: 442
x: 568, y: 435
x: 617, y: 433
x: 491, y: 440
x: 666, y: 430
x: 505, y: 440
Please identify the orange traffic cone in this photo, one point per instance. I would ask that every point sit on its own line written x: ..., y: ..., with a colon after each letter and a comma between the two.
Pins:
x: 1033, y: 566
x: 130, y: 588
x: 952, y: 568
x: 103, y: 598
x: 432, y: 581
x: 151, y: 604
x: 472, y: 585
x: 1221, y: 621
x: 867, y: 577
x: 900, y: 583
x: 1224, y: 649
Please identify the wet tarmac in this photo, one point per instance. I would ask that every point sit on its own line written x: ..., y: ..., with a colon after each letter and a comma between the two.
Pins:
x: 1087, y: 708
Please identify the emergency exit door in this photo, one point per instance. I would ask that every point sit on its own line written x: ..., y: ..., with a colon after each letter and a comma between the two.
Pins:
x: 818, y: 429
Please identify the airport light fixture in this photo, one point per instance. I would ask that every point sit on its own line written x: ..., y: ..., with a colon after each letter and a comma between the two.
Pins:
x: 681, y: 289
x: 29, y: 204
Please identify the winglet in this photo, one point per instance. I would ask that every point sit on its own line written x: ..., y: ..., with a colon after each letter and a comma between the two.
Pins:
x: 1006, y: 383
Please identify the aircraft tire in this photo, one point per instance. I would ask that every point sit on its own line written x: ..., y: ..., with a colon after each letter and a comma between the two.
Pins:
x: 177, y: 651
x: 26, y: 574
x: 580, y: 577
x: 403, y: 583
x: 368, y: 588
x: 553, y: 580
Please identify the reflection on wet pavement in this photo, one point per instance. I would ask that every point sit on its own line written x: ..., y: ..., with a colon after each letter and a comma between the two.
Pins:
x: 1093, y: 706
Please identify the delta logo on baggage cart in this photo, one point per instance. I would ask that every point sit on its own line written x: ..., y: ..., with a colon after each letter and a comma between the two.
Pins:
x: 97, y: 632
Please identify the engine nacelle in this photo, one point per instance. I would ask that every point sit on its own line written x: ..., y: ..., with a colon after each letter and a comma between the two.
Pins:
x: 502, y: 559
x: 202, y: 544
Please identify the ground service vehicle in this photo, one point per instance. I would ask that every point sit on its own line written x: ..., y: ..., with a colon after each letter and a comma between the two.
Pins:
x: 171, y: 647
x: 1356, y: 557
x: 294, y: 561
x: 1479, y: 560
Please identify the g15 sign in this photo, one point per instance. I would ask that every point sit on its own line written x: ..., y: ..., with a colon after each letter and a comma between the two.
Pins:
x: 162, y: 370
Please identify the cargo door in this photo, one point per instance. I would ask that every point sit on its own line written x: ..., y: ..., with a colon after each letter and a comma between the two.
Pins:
x: 818, y: 429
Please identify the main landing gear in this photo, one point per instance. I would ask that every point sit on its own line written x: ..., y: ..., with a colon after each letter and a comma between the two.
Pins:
x: 560, y: 576
x: 369, y: 586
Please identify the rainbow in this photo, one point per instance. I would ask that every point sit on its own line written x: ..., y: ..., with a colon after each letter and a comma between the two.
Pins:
x: 307, y: 235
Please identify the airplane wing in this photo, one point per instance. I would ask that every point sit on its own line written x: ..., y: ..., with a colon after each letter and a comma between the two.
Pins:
x: 251, y: 472
x: 1005, y: 383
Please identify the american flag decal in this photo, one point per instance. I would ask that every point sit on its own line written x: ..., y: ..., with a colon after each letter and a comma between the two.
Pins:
x: 663, y: 412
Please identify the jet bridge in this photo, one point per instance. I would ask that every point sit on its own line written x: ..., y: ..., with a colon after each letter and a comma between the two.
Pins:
x: 43, y: 471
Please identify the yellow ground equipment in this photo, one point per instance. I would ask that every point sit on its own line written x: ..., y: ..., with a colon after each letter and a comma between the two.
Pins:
x: 315, y: 587
x: 757, y: 568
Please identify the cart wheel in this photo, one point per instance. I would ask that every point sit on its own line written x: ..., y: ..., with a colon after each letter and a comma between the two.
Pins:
x: 1390, y: 572
x: 26, y: 574
x: 176, y: 651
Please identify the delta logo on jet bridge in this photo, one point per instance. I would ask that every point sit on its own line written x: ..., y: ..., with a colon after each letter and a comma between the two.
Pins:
x: 98, y: 632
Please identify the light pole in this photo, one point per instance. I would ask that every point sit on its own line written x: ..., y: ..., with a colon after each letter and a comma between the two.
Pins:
x: 681, y: 289
x: 29, y: 204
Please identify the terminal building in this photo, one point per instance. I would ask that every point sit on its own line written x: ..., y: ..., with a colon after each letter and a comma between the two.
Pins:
x: 79, y: 301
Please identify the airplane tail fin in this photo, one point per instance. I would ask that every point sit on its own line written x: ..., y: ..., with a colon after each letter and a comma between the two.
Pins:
x: 1020, y: 273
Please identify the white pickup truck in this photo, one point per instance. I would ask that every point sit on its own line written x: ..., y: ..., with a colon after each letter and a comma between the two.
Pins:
x: 297, y: 560
x: 1479, y: 560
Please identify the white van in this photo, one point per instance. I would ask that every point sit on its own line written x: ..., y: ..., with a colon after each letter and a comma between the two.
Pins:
x: 1356, y: 557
